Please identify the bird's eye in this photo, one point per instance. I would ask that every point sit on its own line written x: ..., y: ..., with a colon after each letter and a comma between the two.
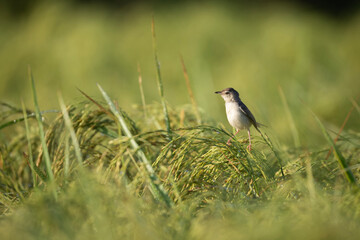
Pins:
x: 226, y: 92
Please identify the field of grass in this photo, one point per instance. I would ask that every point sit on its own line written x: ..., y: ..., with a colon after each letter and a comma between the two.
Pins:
x: 109, y: 166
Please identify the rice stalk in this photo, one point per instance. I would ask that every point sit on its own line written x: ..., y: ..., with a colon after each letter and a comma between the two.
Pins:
x: 199, y: 160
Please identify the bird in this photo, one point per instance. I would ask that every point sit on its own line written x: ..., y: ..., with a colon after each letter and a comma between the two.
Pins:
x: 238, y: 114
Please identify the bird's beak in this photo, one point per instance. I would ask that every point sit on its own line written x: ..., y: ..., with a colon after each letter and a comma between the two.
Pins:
x: 218, y: 92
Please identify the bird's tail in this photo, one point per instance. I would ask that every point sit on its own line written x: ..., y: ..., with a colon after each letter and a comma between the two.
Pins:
x: 259, y: 125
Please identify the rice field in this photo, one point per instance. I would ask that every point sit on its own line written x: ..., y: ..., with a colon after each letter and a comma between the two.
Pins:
x: 146, y: 156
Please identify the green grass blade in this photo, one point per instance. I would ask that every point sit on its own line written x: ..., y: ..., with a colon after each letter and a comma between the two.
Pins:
x: 40, y: 173
x: 42, y: 136
x: 158, y: 190
x: 70, y: 128
x: 159, y: 81
x: 29, y: 115
x: 342, y: 162
x: 12, y: 122
x: 31, y: 160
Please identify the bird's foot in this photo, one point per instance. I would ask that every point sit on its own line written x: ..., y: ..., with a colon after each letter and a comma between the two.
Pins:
x: 249, y: 147
x: 229, y: 142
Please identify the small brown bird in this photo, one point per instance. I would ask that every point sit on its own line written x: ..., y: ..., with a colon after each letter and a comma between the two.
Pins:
x: 238, y: 115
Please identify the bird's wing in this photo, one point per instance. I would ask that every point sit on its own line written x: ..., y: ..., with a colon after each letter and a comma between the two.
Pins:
x: 246, y: 111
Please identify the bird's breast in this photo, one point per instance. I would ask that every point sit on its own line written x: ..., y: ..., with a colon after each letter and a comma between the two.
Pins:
x: 236, y: 117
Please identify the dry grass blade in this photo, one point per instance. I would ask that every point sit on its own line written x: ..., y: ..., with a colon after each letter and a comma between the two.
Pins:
x: 188, y: 85
x: 356, y: 105
x: 96, y: 103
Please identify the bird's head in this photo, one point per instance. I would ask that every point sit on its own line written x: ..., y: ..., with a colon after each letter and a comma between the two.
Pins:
x: 229, y: 94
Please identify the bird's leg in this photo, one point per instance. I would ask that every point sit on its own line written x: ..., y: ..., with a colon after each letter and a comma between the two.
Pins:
x: 228, y: 142
x: 249, y: 146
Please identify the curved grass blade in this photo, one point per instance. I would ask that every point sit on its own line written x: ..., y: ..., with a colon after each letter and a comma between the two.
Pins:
x: 70, y: 128
x: 158, y: 190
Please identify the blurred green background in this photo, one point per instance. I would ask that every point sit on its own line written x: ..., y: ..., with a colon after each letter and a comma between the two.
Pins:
x: 312, y: 53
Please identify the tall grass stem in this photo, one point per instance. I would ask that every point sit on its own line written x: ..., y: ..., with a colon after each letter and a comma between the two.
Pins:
x: 191, y: 95
x: 142, y: 91
x: 294, y: 131
x: 30, y: 153
x: 159, y: 80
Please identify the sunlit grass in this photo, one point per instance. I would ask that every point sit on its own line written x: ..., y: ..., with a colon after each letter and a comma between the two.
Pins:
x: 255, y: 51
x: 139, y: 183
x: 104, y: 167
